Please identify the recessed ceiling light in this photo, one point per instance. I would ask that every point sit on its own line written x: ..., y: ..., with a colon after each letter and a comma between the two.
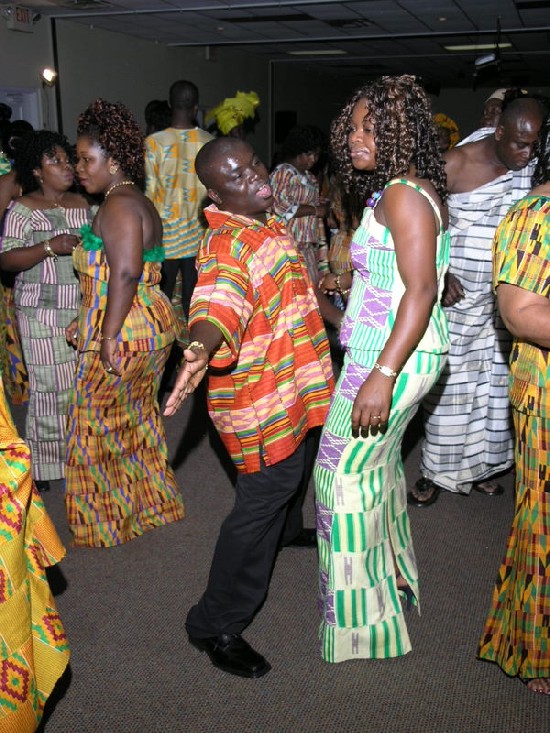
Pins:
x: 319, y: 52
x: 477, y: 47
x: 442, y: 18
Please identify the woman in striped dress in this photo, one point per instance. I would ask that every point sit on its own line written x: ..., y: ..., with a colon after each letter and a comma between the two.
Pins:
x: 395, y: 337
x: 119, y: 483
x: 40, y: 233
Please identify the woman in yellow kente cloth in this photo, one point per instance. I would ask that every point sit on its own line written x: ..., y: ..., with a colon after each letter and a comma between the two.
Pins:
x: 33, y: 646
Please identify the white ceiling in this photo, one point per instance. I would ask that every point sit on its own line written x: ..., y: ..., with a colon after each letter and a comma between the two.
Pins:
x: 376, y: 36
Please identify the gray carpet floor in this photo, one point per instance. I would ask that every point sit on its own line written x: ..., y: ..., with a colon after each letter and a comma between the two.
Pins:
x: 132, y: 669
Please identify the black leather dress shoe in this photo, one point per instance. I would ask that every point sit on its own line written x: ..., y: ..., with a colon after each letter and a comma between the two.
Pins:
x: 307, y: 537
x: 233, y: 654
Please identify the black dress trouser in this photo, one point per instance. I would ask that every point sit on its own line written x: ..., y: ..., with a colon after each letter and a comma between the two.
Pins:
x: 246, y: 549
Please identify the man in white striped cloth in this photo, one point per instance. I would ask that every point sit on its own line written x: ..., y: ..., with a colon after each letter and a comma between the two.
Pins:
x: 468, y: 430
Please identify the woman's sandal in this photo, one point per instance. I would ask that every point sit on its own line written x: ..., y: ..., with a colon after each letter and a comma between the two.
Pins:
x: 405, y: 591
x: 426, y: 493
x: 540, y: 685
x: 490, y: 487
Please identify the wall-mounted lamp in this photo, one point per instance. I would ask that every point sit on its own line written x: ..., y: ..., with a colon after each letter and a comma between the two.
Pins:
x: 48, y: 77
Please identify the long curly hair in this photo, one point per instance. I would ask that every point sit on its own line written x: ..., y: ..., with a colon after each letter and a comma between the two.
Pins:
x: 29, y: 152
x: 541, y: 173
x: 114, y: 128
x: 404, y: 133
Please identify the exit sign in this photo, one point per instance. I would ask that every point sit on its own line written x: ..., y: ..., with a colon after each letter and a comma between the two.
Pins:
x: 20, y: 19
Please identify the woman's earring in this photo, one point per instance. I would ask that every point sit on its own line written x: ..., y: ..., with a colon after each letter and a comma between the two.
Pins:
x: 113, y: 169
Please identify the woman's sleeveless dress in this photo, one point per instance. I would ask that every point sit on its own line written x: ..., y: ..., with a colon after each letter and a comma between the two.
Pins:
x: 118, y: 480
x: 361, y: 496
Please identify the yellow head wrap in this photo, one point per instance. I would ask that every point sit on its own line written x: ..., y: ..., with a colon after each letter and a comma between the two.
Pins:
x: 233, y: 111
x: 442, y: 120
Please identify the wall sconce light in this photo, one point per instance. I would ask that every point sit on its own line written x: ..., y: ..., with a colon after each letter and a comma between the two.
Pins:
x: 48, y: 77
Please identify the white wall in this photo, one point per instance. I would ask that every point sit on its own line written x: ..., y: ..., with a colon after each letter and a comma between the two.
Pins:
x: 117, y: 67
x: 94, y: 63
x: 22, y: 58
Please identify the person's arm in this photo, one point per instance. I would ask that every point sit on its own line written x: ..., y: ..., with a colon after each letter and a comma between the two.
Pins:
x: 23, y: 258
x: 121, y: 229
x: 414, y: 230
x: 453, y: 291
x: 332, y: 283
x: 9, y: 189
x: 17, y: 255
x: 221, y: 308
x: 329, y: 312
x: 320, y: 210
x: 204, y: 339
x: 151, y: 170
x: 526, y: 315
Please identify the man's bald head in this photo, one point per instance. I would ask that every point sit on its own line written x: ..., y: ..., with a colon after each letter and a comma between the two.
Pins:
x: 523, y: 108
x: 213, y: 155
x: 517, y: 132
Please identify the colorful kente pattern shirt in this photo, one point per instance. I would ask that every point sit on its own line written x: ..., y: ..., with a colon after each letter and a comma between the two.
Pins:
x: 522, y: 258
x: 271, y: 378
x: 173, y: 186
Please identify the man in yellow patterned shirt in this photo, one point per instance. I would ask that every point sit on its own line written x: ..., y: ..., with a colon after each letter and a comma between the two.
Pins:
x: 174, y: 188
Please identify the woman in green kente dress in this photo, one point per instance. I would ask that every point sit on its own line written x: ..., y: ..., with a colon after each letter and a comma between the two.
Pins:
x: 395, y: 337
x: 119, y: 483
x: 517, y: 630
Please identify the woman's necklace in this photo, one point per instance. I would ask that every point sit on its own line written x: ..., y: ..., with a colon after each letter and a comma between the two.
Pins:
x: 116, y: 185
x: 53, y: 203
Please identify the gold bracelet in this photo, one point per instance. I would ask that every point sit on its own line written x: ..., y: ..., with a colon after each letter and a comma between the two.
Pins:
x: 385, y: 370
x: 49, y: 251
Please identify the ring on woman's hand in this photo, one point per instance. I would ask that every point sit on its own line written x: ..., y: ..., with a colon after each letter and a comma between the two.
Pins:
x: 376, y: 417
